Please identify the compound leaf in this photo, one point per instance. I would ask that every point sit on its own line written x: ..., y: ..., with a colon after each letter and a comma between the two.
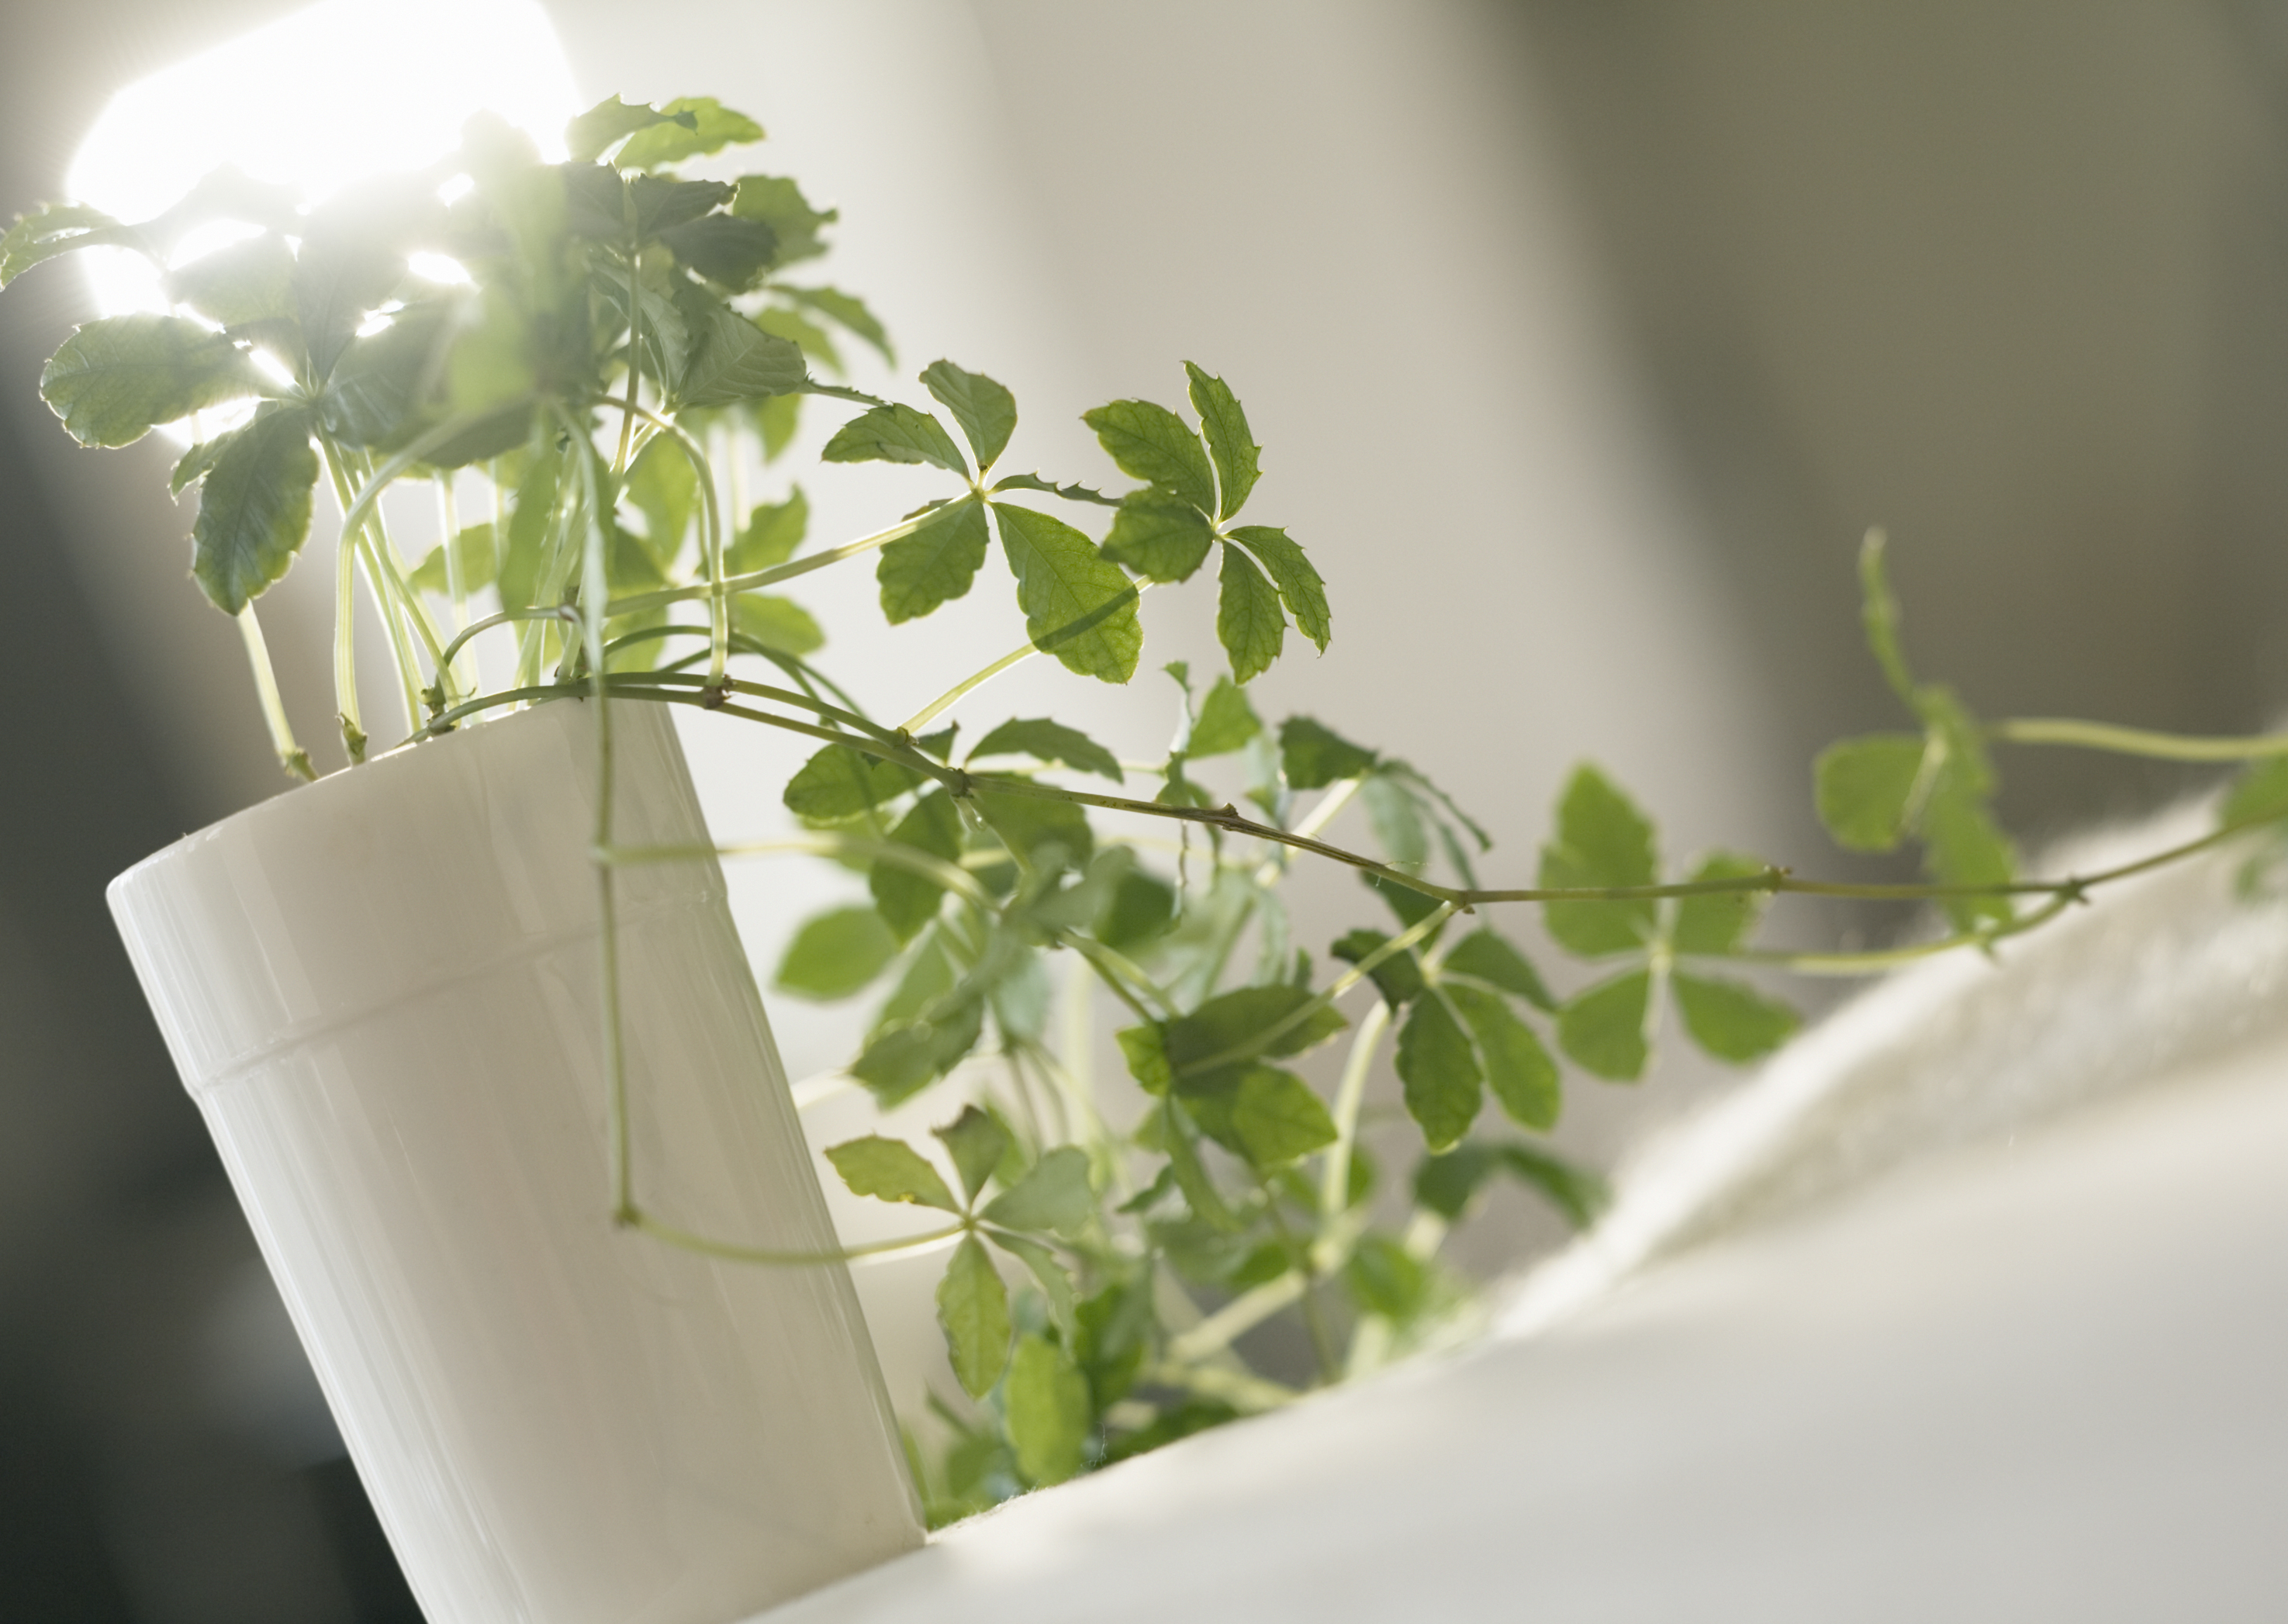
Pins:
x: 976, y: 1141
x: 1731, y: 1021
x: 837, y: 954
x: 1299, y: 586
x: 1313, y: 755
x: 115, y: 380
x: 254, y: 507
x: 839, y: 783
x: 1603, y: 1027
x: 1493, y: 959
x: 1519, y: 1070
x: 1226, y: 723
x: 1055, y: 1195
x: 688, y: 127
x: 1046, y: 1403
x: 1046, y: 740
x: 1863, y: 788
x: 1441, y: 1072
x: 1719, y: 922
x: 935, y: 565
x: 896, y: 434
x: 1248, y: 622
x: 1603, y: 839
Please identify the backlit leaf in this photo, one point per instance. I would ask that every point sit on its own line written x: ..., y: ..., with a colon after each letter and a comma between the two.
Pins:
x: 1226, y: 723
x: 1229, y: 443
x: 1731, y: 1021
x: 587, y: 136
x: 776, y: 623
x: 1518, y: 1069
x: 724, y: 249
x: 779, y: 203
x: 890, y: 1170
x: 973, y: 1307
x: 1150, y: 442
x: 1046, y: 1403
x: 771, y: 534
x: 1720, y: 922
x: 1278, y: 1119
x: 842, y: 309
x: 1863, y: 786
x: 473, y: 551
x: 710, y: 127
x: 251, y: 281
x: 837, y: 954
x: 1313, y: 755
x: 839, y: 783
x: 1055, y: 1195
x: 1299, y: 586
x: 986, y: 411
x: 254, y: 507
x: 115, y: 380
x: 935, y: 565
x: 2258, y: 796
x: 1248, y: 622
x: 733, y: 361
x: 976, y: 1142
x: 908, y: 900
x: 1491, y: 958
x: 1604, y: 1027
x: 1030, y: 824
x: 1440, y: 1069
x: 894, y: 433
x: 1603, y: 839
x: 1077, y: 605
x: 1159, y: 536
x: 1044, y: 740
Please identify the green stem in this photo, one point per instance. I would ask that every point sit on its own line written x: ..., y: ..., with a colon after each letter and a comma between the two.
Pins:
x: 2138, y: 741
x: 643, y: 1223
x: 952, y: 696
x: 644, y: 602
x: 292, y: 756
x: 1335, y: 1178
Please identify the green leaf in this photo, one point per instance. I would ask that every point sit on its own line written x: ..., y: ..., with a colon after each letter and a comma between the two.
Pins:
x: 1863, y: 788
x: 1234, y: 449
x: 1385, y: 1277
x: 254, y: 507
x: 251, y: 281
x: 1399, y: 977
x: 693, y: 126
x: 776, y: 623
x: 1141, y: 908
x: 473, y: 549
x: 839, y: 783
x: 801, y: 330
x: 353, y: 258
x: 1055, y: 1195
x: 1028, y: 824
x: 1226, y: 722
x: 973, y: 1306
x: 1071, y: 491
x: 1603, y: 839
x: 1048, y: 1411
x: 1055, y: 1284
x: 840, y: 308
x: 837, y: 954
x: 1145, y: 1050
x: 1720, y: 922
x: 1731, y: 1021
x: 531, y: 520
x: 1604, y: 1027
x: 2258, y: 795
x: 1238, y: 1019
x: 1491, y: 958
x: 906, y: 900
x: 1395, y: 816
x: 1299, y: 586
x: 1519, y: 1070
x: 113, y: 381
x: 727, y: 250
x: 587, y: 136
x: 1962, y: 845
x: 890, y: 1170
x: 1439, y: 1070
x: 935, y: 565
x: 377, y: 386
x: 1077, y: 605
x: 1151, y: 443
x: 1278, y: 1119
x: 779, y: 203
x: 1248, y: 622
x: 61, y: 228
x: 195, y: 464
x: 1313, y: 755
x: 1411, y: 906
x: 1159, y: 536
x: 663, y: 487
x: 773, y: 531
x: 1044, y: 740
x: 896, y: 434
x: 976, y: 1142
x: 986, y: 411
x: 733, y: 361
x: 1447, y: 1184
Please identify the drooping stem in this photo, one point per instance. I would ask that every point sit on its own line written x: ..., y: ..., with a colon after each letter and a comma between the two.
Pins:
x: 292, y: 756
x: 2137, y: 741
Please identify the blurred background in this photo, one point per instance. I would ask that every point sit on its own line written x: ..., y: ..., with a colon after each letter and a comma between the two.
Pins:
x: 1585, y: 339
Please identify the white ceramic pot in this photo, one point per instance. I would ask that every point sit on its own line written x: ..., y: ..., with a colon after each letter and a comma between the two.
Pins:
x: 383, y: 990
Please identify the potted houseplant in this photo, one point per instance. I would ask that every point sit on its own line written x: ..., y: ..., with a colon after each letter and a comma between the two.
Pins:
x: 469, y: 1020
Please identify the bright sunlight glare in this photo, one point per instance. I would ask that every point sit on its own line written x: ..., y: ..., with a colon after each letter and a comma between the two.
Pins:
x: 330, y: 95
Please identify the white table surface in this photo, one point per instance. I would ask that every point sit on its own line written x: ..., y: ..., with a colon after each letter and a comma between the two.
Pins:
x: 2044, y: 1379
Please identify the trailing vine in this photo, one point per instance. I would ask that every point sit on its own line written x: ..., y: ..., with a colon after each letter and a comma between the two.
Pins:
x: 630, y: 348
